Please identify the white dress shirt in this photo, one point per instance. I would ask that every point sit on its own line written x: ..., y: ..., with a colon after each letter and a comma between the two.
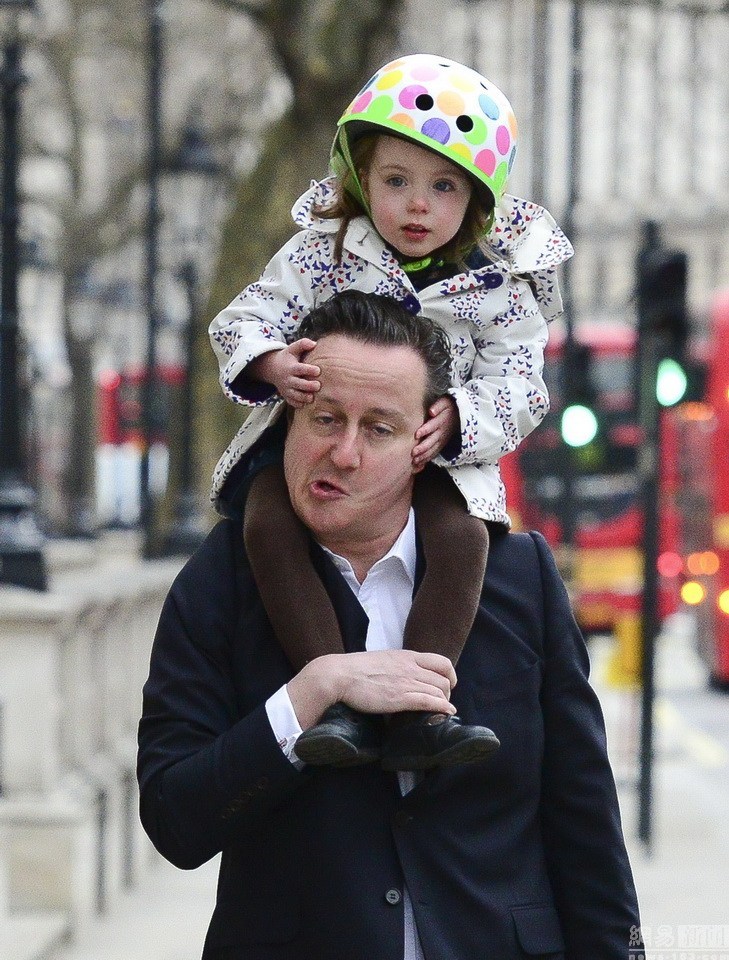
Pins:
x: 386, y: 597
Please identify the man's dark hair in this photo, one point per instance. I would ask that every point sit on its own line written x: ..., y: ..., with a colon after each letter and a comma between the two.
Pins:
x: 372, y: 318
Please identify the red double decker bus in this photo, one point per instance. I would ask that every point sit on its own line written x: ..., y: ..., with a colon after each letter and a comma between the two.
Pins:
x: 121, y: 438
x: 702, y: 463
x: 603, y: 495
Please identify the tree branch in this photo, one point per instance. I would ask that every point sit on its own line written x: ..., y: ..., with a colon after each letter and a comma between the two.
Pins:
x: 257, y: 13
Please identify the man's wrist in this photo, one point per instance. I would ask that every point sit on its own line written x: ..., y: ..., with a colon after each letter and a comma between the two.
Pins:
x: 284, y: 722
x: 313, y: 689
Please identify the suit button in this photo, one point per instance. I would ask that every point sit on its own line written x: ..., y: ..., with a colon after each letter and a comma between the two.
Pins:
x: 402, y: 818
x: 393, y: 897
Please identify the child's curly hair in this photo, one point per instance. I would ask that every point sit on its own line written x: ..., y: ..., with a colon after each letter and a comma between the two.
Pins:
x: 476, y: 223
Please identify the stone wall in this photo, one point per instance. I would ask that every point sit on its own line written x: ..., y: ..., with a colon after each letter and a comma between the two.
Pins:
x: 72, y: 665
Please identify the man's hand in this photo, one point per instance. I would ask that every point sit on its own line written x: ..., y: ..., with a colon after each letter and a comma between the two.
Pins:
x: 437, y: 430
x: 376, y: 681
x: 294, y: 380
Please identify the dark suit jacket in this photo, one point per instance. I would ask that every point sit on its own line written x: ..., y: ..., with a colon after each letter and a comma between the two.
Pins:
x: 522, y: 856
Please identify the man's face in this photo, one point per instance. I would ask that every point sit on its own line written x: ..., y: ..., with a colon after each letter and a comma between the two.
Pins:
x: 348, y: 458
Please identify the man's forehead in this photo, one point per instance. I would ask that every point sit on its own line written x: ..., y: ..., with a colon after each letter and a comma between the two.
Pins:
x: 346, y: 362
x: 341, y: 348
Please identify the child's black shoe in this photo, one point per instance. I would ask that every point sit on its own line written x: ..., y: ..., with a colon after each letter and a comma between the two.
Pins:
x: 421, y: 741
x: 342, y: 738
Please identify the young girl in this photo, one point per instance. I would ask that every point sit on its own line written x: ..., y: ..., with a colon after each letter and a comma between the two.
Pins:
x: 416, y: 211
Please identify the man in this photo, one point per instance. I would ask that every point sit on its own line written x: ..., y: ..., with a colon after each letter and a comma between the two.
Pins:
x: 519, y: 856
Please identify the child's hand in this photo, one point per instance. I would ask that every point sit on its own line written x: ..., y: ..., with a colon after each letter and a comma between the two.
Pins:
x: 437, y: 430
x: 294, y: 380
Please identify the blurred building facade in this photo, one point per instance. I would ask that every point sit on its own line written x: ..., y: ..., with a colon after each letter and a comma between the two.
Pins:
x: 652, y: 127
x: 646, y: 137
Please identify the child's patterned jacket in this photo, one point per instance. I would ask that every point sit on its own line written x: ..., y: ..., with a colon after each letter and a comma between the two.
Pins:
x: 496, y: 317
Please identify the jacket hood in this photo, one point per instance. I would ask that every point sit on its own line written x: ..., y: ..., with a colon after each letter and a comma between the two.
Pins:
x: 322, y: 193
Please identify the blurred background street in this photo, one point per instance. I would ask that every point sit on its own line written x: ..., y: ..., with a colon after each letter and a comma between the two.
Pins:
x: 151, y: 151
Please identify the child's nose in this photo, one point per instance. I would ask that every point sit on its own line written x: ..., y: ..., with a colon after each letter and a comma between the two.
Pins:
x: 418, y: 200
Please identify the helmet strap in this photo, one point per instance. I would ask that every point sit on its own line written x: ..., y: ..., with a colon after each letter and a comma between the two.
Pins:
x: 346, y: 154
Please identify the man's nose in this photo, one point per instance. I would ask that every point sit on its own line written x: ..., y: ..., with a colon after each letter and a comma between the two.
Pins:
x: 345, y: 452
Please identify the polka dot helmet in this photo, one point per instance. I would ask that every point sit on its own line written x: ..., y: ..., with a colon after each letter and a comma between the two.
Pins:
x: 441, y: 105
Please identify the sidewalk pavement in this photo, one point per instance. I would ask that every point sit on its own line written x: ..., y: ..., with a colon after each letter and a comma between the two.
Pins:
x: 164, y: 918
x: 683, y: 884
x: 683, y: 881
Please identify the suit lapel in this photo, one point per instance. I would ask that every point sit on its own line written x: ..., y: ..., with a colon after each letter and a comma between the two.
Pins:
x: 353, y: 621
x: 419, y: 561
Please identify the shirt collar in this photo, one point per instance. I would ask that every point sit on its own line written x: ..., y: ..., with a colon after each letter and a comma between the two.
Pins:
x: 403, y: 549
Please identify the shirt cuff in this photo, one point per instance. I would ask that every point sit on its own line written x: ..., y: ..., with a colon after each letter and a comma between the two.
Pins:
x: 284, y: 723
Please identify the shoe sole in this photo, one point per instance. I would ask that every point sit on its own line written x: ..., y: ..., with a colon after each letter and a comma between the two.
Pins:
x: 327, y: 751
x: 456, y: 755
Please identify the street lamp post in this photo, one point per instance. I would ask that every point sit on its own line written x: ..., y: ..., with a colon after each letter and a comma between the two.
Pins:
x: 570, y: 354
x: 150, y: 405
x: 197, y: 174
x: 21, y: 543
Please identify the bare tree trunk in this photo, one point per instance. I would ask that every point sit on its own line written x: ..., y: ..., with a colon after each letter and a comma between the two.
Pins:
x: 328, y: 50
x: 79, y: 478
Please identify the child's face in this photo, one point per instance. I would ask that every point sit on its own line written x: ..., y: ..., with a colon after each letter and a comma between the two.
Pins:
x: 417, y: 198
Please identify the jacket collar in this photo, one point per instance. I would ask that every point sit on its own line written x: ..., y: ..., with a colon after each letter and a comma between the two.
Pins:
x: 523, y: 234
x: 523, y: 239
x: 362, y: 239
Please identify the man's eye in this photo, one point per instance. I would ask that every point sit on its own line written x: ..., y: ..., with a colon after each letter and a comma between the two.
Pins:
x: 324, y: 419
x: 380, y: 430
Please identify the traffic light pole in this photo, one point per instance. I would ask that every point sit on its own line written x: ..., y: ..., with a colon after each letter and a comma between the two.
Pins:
x: 568, y: 359
x: 662, y: 333
x: 648, y: 468
x: 150, y: 547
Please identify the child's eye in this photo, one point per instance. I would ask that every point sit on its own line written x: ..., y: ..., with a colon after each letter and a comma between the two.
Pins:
x: 395, y: 181
x: 445, y: 186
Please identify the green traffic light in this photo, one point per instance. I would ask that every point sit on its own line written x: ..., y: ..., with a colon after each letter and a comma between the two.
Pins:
x: 671, y: 382
x: 579, y: 425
